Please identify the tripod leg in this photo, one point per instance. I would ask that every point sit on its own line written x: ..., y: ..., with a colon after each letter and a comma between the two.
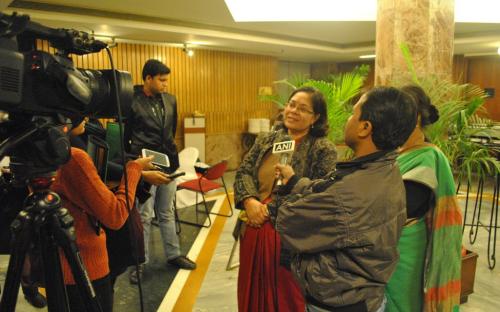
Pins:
x: 21, y: 229
x: 62, y: 228
x: 57, y: 300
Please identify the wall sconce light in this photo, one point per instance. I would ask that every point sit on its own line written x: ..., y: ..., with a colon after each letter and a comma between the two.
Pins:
x: 113, y: 43
x: 498, y: 51
x: 189, y: 52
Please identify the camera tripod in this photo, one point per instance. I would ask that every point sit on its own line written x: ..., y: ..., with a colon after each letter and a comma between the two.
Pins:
x: 46, y: 225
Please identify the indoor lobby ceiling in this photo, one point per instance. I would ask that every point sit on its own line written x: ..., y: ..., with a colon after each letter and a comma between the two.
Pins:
x: 208, y: 24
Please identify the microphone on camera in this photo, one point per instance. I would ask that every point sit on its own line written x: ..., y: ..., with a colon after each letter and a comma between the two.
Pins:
x: 285, y: 149
x: 97, y: 45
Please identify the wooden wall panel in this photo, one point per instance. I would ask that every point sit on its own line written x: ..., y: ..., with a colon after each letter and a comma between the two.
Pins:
x: 460, y: 69
x: 485, y: 72
x: 222, y: 85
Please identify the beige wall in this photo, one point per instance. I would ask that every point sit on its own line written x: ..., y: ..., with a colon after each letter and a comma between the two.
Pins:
x: 287, y: 70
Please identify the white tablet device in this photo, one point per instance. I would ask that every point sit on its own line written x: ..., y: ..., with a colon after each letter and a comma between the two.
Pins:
x: 159, y: 159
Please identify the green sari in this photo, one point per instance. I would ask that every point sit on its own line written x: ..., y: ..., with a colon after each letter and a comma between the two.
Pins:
x: 427, y: 277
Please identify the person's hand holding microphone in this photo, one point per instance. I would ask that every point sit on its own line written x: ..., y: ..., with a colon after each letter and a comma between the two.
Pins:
x: 285, y: 172
x: 284, y: 150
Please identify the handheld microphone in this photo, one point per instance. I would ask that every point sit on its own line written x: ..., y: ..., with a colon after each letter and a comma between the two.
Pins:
x: 285, y: 149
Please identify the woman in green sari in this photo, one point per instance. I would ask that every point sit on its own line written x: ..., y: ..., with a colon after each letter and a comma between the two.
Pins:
x: 427, y: 277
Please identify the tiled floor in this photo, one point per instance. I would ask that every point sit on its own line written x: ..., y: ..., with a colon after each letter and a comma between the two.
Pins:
x: 218, y: 292
x: 158, y: 275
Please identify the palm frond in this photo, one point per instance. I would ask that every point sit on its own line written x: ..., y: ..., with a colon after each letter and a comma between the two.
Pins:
x: 298, y: 80
x: 474, y: 105
x: 458, y: 105
x: 338, y: 90
x: 280, y: 101
x: 285, y: 82
x: 405, y: 49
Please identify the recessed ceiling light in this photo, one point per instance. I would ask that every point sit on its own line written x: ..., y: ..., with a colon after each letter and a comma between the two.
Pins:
x: 297, y: 10
x: 466, y: 11
x: 368, y: 56
x: 477, y: 11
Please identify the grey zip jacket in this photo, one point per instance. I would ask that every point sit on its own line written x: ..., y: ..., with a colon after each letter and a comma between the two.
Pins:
x: 344, y: 230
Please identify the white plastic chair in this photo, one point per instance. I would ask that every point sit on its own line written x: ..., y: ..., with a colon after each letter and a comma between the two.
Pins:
x: 187, y: 158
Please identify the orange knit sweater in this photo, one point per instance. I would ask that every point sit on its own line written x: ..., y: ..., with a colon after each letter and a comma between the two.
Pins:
x: 83, y: 193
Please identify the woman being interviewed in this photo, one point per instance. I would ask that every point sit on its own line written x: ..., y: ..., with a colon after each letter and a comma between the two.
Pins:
x: 427, y: 277
x: 264, y: 282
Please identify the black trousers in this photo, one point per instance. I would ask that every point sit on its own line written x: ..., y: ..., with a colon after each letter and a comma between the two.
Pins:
x: 103, y: 290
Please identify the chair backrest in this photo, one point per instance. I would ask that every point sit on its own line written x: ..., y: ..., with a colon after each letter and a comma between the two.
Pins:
x: 113, y: 139
x: 188, y: 157
x: 216, y: 171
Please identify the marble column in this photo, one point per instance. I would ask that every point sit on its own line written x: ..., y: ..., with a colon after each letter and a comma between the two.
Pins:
x: 426, y: 26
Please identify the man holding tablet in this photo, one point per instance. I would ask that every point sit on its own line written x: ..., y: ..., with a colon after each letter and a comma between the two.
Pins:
x: 151, y: 125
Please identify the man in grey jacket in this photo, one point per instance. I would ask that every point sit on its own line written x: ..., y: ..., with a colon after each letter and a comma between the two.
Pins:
x: 344, y: 229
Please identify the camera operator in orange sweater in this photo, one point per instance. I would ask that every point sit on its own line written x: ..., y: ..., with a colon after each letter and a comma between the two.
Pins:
x: 86, y: 196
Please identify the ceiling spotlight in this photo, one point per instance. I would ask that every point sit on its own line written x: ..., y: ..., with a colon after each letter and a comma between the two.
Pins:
x: 188, y: 51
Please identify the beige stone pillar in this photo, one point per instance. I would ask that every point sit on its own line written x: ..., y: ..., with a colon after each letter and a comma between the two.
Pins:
x: 426, y: 26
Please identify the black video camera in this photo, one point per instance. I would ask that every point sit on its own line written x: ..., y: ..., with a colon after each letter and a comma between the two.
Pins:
x: 37, y: 82
x: 41, y: 92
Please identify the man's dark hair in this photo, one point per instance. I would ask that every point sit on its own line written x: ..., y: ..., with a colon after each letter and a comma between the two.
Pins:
x: 393, y: 115
x: 320, y: 127
x: 154, y: 67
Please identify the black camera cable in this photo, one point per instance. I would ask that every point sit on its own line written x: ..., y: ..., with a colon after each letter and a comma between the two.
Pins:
x: 122, y: 147
x: 276, y: 258
x: 276, y: 267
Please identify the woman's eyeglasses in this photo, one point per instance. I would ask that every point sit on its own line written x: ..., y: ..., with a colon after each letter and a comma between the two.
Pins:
x: 303, y: 109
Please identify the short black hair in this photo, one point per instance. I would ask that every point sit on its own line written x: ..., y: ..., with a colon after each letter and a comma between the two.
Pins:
x: 393, y: 115
x: 154, y: 67
x: 429, y: 114
x: 320, y: 127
